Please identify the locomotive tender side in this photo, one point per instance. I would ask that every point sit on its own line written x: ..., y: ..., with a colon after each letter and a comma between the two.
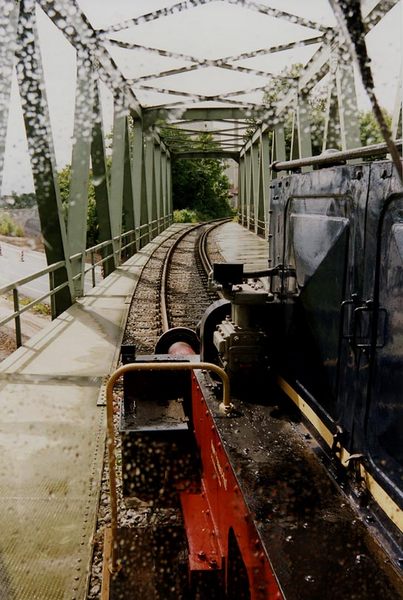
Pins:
x: 340, y: 231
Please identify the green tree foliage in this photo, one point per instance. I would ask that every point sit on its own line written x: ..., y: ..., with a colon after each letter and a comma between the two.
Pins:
x: 26, y: 200
x: 369, y: 128
x: 64, y: 177
x: 9, y: 227
x: 200, y: 185
x: 185, y: 215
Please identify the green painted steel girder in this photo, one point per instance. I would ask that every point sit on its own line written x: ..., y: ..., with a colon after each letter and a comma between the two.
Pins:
x: 8, y: 35
x: 80, y: 168
x: 150, y: 181
x: 117, y: 174
x: 206, y: 154
x: 152, y: 115
x: 137, y: 176
x: 101, y: 185
x: 128, y: 218
x: 40, y: 147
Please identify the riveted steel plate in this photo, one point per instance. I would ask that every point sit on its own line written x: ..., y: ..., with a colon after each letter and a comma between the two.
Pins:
x: 51, y: 452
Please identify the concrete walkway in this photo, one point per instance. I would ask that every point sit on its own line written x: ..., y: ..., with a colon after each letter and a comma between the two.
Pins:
x: 238, y: 244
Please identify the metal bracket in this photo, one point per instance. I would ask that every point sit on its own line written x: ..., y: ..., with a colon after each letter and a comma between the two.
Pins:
x: 363, y: 326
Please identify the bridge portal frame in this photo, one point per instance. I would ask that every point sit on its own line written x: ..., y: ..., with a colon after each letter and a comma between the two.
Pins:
x: 133, y: 191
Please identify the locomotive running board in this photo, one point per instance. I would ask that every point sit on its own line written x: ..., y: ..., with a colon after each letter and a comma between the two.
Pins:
x: 380, y: 496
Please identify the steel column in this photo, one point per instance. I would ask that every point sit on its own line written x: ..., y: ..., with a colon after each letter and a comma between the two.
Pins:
x: 164, y: 187
x: 8, y: 38
x: 117, y: 175
x: 264, y: 181
x: 80, y: 167
x: 247, y: 187
x: 137, y: 179
x: 158, y: 184
x: 128, y: 201
x: 169, y: 188
x: 304, y: 128
x: 150, y: 182
x: 347, y: 102
x: 40, y: 146
x: 255, y: 157
x: 278, y: 147
x: 241, y: 190
x: 101, y: 185
x: 331, y: 134
x: 294, y: 134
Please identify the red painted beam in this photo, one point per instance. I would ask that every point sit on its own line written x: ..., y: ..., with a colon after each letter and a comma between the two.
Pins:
x: 220, y: 508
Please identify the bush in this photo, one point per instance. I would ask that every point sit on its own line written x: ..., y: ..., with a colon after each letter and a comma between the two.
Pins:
x: 9, y: 227
x: 40, y: 309
x: 185, y: 216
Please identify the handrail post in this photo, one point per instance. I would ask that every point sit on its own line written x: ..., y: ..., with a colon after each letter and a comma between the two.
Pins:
x: 93, y: 269
x: 18, y: 338
x: 52, y: 297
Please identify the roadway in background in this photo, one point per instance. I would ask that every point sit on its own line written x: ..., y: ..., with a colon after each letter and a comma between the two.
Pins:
x: 17, y: 262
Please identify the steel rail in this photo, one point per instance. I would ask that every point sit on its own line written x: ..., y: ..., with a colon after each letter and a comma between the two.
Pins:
x: 202, y: 252
x: 165, y: 325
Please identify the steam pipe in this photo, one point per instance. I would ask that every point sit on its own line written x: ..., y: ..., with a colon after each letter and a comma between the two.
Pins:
x: 329, y: 158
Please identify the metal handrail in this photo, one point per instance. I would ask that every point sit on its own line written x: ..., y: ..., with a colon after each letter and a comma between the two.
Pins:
x: 49, y: 270
x: 23, y: 280
x: 329, y: 158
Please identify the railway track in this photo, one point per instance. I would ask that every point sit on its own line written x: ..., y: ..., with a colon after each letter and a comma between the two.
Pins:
x: 181, y: 266
x: 185, y: 295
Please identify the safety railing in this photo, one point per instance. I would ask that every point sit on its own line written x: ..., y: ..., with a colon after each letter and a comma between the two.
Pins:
x: 13, y: 287
x: 120, y: 245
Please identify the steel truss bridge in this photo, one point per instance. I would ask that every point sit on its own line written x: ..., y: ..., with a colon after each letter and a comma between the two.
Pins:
x: 134, y: 202
x: 52, y: 389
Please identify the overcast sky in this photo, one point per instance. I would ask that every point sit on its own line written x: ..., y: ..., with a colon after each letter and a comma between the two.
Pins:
x: 209, y: 31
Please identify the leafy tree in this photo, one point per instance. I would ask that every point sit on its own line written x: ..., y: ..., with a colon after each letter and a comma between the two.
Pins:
x: 370, y: 132
x: 368, y: 125
x: 26, y: 200
x: 64, y: 178
x: 199, y: 185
